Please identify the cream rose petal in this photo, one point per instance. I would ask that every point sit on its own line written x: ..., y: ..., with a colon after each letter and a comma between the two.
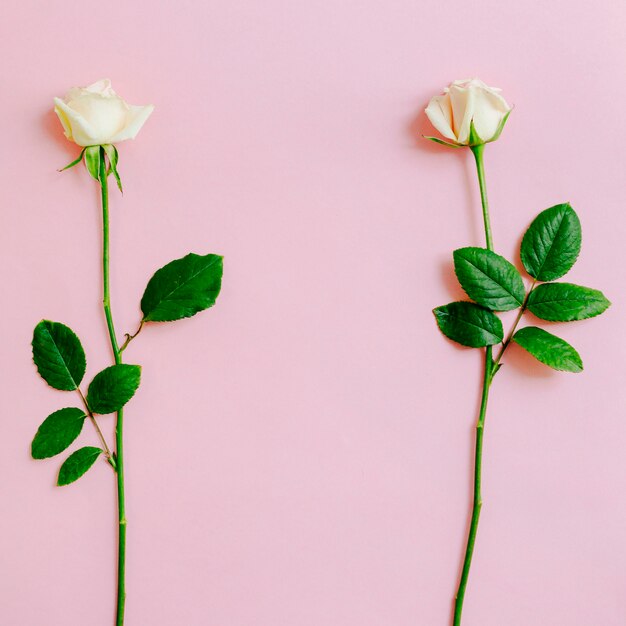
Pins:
x: 137, y: 117
x: 108, y: 116
x: 82, y: 133
x: 74, y: 92
x: 102, y: 87
x: 490, y: 110
x: 463, y: 106
x: 67, y: 129
x: 439, y: 113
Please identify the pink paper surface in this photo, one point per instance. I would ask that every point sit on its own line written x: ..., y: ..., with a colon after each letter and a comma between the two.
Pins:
x: 301, y: 454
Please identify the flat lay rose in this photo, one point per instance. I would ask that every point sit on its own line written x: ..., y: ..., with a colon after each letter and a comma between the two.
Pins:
x: 312, y: 313
x: 473, y: 115
x: 95, y: 117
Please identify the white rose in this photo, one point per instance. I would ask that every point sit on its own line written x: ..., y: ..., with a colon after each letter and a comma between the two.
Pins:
x: 464, y: 102
x: 96, y: 115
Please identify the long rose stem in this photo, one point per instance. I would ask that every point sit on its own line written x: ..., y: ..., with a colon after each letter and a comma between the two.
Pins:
x: 119, y: 444
x: 480, y: 424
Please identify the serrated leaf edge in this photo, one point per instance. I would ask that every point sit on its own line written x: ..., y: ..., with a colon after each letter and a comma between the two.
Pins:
x: 83, y: 417
x: 32, y: 344
x: 558, y: 369
x: 568, y: 207
x: 219, y: 257
x: 587, y: 317
x: 437, y: 309
x: 454, y: 254
x: 100, y: 451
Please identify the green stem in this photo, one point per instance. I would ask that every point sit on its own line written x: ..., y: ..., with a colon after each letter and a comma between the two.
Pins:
x: 478, y: 155
x: 119, y: 455
x: 507, y: 341
x: 92, y: 417
x: 480, y: 424
x: 478, y: 501
x: 130, y: 337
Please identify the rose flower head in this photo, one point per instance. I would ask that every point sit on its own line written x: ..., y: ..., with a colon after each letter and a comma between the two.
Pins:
x: 469, y: 113
x: 96, y: 115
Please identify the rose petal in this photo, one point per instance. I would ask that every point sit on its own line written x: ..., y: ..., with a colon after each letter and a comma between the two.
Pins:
x: 67, y: 128
x: 81, y: 132
x: 137, y: 117
x: 491, y: 107
x: 102, y: 87
x: 463, y: 102
x: 439, y: 113
x: 486, y: 121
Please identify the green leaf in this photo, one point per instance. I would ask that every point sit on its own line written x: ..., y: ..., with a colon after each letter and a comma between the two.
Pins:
x: 77, y: 464
x: 112, y: 153
x: 549, y: 349
x: 92, y: 161
x: 489, y: 279
x: 564, y: 302
x: 58, y: 355
x: 57, y: 432
x: 182, y: 288
x: 551, y: 244
x: 469, y: 324
x: 113, y: 387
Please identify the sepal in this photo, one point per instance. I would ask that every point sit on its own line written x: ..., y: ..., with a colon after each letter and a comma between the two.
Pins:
x: 443, y: 142
x: 93, y: 154
x: 500, y: 127
x: 75, y: 162
x: 112, y: 154
x: 474, y: 138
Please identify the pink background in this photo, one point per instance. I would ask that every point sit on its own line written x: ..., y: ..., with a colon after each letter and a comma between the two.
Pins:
x: 300, y: 455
